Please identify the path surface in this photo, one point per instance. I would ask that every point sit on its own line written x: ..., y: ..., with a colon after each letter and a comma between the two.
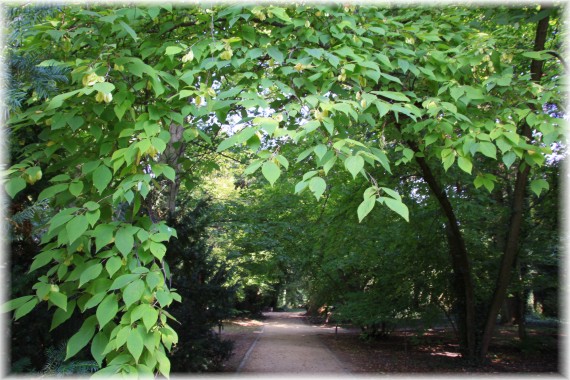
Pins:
x: 288, y: 345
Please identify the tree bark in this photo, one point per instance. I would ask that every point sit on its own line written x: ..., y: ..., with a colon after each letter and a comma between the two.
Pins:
x: 172, y: 155
x: 463, y: 280
x: 519, y: 196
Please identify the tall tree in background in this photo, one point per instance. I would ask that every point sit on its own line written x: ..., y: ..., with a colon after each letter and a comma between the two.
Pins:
x: 201, y: 280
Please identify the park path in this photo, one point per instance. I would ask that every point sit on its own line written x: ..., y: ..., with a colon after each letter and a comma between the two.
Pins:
x: 288, y: 345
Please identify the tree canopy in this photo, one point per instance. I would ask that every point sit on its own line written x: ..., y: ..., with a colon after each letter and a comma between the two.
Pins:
x: 137, y: 103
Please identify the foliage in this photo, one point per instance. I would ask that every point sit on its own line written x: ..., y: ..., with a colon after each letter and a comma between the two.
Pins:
x: 201, y: 280
x: 359, y: 90
x: 57, y: 366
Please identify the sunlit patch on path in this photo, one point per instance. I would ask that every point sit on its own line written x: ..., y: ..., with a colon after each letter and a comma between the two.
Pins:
x: 288, y: 345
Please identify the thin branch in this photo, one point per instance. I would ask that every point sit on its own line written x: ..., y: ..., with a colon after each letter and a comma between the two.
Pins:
x: 559, y: 57
x: 181, y: 25
x: 220, y: 153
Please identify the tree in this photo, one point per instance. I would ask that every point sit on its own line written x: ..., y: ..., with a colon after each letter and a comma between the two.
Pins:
x: 351, y: 85
x: 201, y: 280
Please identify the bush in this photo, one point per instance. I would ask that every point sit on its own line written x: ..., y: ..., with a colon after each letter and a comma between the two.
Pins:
x: 200, y: 279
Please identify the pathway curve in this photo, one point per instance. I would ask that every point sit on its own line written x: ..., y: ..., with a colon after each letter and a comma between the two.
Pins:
x: 288, y: 345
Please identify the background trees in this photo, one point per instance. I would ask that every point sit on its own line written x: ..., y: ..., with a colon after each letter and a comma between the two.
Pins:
x: 379, y: 103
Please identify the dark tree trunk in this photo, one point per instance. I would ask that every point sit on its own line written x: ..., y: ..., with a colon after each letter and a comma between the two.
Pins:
x: 522, y: 314
x: 462, y: 276
x: 519, y: 196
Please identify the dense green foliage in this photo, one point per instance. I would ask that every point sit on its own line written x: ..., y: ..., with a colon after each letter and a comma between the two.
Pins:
x: 448, y: 113
x: 201, y: 280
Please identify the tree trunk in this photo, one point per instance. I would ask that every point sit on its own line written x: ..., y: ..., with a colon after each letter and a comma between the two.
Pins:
x: 522, y: 312
x: 172, y: 154
x: 519, y: 196
x: 462, y: 276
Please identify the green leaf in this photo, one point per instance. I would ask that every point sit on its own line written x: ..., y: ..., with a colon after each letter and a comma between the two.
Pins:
x: 383, y: 107
x: 456, y: 92
x: 57, y: 100
x: 320, y: 150
x: 403, y: 64
x: 93, y: 217
x: 100, y: 341
x: 150, y: 317
x: 41, y: 259
x: 318, y: 186
x: 124, y: 240
x: 484, y: 180
x: 169, y: 173
x: 397, y: 96
x: 488, y: 149
x: 153, y: 279
x: 129, y: 30
x: 104, y: 87
x: 107, y: 310
x: 227, y: 143
x: 473, y: 93
x: 62, y: 315
x: 509, y: 158
x: 329, y: 164
x: 133, y: 292
x: 431, y: 138
x: 158, y: 250
x: 283, y: 161
x: 252, y: 168
x: 391, y: 193
x: 25, y: 308
x: 238, y: 138
x: 281, y: 13
x: 163, y: 363
x: 15, y: 303
x: 14, y: 186
x: 254, y: 143
x: 347, y: 109
x: 103, y: 235
x: 465, y: 164
x: 408, y: 153
x: 49, y: 192
x: 90, y: 273
x: 138, y: 311
x: 397, y: 206
x: 123, y: 280
x: 95, y: 300
x: 75, y: 188
x: 164, y: 298
x: 538, y: 185
x: 365, y: 207
x: 81, y: 338
x: 268, y: 124
x: 172, y: 50
x: 135, y: 343
x: 102, y: 177
x: 113, y: 265
x: 354, y: 165
x: 535, y: 55
x: 275, y: 54
x: 59, y: 300
x: 76, y: 227
x: 448, y: 160
x: 271, y: 171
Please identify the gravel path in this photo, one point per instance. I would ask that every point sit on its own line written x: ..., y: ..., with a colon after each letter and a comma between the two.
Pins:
x: 288, y: 345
